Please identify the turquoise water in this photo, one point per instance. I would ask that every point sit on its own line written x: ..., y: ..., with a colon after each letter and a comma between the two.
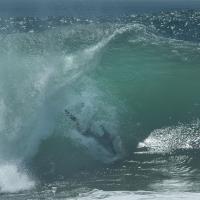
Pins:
x: 137, y: 76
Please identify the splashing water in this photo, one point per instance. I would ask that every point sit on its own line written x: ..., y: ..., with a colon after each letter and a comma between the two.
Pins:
x: 136, y: 76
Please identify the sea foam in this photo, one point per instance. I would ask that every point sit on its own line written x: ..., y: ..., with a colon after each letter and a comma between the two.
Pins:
x: 14, y: 180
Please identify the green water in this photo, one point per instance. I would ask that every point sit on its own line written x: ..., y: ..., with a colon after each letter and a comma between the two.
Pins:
x: 137, y: 77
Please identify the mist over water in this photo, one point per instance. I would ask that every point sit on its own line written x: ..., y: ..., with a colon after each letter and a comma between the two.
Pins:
x: 131, y: 81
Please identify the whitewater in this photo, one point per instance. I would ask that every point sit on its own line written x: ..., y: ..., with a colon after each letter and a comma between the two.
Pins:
x: 137, y: 76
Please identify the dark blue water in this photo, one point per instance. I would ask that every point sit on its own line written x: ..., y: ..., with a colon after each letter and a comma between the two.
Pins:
x: 90, y: 8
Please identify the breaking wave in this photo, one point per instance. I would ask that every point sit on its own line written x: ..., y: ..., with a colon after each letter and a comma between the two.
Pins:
x: 122, y: 80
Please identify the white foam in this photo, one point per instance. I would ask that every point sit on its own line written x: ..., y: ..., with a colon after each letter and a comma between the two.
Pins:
x: 13, y: 180
x: 31, y: 81
x: 42, y: 79
x: 182, y: 136
x: 141, y: 195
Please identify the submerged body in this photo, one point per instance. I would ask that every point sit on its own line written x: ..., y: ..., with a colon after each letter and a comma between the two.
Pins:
x: 106, y: 139
x: 111, y: 66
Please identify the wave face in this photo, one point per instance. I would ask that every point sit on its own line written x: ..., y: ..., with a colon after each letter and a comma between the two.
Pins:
x: 135, y: 76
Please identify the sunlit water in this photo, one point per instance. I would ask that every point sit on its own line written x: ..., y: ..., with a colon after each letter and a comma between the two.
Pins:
x: 137, y: 76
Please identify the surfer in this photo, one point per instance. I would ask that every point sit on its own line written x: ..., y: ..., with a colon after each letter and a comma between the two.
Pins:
x: 105, y: 139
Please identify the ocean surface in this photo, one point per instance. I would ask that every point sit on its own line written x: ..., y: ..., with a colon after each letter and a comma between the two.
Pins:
x: 100, y: 107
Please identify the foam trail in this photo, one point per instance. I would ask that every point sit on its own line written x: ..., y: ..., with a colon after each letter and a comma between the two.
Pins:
x: 140, y: 195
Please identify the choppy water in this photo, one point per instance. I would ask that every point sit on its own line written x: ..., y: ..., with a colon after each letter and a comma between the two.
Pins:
x: 137, y: 75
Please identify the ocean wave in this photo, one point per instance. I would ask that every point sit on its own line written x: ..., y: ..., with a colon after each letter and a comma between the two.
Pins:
x: 124, y: 79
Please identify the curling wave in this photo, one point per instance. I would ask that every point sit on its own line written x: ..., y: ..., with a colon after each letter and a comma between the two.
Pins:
x: 118, y: 81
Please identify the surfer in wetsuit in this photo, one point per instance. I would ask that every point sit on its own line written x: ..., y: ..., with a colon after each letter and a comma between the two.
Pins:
x: 105, y: 140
